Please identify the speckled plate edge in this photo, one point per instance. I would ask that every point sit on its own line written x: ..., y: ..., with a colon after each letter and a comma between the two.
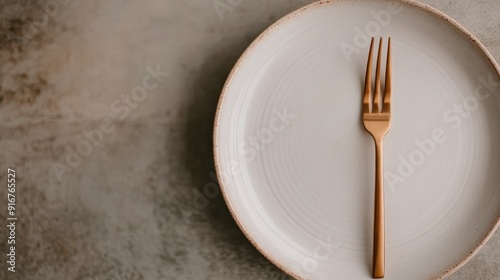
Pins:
x: 432, y: 11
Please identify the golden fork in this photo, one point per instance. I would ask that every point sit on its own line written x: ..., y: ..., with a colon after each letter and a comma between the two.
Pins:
x: 377, y: 121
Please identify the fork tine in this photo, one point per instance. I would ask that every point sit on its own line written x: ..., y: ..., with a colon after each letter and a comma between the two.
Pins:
x: 388, y: 80
x: 368, y: 81
x: 376, y: 99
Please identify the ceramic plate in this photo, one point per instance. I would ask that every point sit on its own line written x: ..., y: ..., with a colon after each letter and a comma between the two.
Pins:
x: 296, y: 166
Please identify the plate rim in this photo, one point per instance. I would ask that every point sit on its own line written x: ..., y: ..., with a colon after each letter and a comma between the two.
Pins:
x: 267, y: 31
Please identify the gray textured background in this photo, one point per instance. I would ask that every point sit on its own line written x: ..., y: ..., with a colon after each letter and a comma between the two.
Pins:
x: 118, y: 213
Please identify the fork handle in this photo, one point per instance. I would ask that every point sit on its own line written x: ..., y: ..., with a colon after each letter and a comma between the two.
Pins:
x: 379, y: 224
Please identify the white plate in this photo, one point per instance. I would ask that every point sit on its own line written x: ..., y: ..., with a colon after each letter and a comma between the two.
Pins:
x: 297, y: 168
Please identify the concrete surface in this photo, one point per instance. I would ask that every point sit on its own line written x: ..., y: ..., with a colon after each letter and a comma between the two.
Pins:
x: 125, y: 209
